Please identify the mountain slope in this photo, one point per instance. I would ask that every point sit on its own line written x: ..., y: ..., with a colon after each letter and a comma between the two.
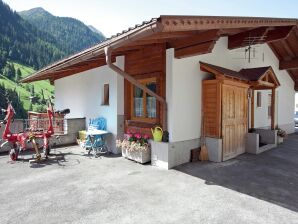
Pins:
x: 71, y: 34
x: 27, y: 46
x: 20, y: 41
x: 95, y: 30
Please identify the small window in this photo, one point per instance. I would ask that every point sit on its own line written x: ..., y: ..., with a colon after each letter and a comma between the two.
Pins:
x: 259, y: 99
x: 106, y: 95
x: 269, y: 105
x: 144, y: 105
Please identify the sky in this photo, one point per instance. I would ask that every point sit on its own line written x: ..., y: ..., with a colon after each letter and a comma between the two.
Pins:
x: 113, y: 16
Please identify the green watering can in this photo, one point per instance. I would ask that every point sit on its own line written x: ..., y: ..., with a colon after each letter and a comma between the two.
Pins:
x: 157, y: 133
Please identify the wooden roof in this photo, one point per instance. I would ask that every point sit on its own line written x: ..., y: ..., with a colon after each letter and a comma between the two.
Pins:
x: 254, y: 74
x: 188, y: 35
x: 258, y: 78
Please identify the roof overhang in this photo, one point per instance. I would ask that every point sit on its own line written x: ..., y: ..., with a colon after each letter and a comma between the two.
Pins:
x: 188, y: 35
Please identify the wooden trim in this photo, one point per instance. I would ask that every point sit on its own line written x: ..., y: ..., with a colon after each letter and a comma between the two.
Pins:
x: 259, y: 99
x: 144, y: 81
x: 252, y: 109
x: 184, y: 23
x: 106, y: 95
x: 273, y: 109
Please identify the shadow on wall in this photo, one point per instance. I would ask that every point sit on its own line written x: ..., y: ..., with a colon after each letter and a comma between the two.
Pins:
x: 271, y: 176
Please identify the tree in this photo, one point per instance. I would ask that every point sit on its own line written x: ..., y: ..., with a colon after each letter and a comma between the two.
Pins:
x: 32, y: 90
x: 18, y: 75
x: 3, y: 60
x: 9, y: 71
x: 30, y: 107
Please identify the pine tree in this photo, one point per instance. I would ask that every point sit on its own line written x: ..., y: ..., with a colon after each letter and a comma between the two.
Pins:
x: 18, y: 75
x: 9, y: 71
x: 32, y: 90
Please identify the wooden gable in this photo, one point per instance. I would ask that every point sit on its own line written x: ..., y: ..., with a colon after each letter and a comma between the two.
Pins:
x: 257, y: 78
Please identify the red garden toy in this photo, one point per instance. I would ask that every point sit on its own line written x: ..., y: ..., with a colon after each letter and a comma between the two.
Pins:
x: 31, y: 134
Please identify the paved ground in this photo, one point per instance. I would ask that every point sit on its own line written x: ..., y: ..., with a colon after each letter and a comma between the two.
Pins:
x: 79, y: 189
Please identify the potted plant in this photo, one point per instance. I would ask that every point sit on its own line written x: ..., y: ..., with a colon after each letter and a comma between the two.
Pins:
x: 281, y: 134
x: 135, y: 146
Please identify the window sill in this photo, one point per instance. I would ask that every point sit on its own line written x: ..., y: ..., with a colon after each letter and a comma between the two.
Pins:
x: 140, y: 124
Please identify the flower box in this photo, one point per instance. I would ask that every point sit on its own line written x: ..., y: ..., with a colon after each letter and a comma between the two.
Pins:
x: 135, y: 147
x: 139, y: 156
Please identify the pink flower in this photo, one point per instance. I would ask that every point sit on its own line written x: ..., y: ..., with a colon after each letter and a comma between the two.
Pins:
x: 146, y: 136
x: 129, y: 135
x: 138, y: 136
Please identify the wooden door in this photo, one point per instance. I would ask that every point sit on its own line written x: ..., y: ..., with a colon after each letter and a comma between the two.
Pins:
x: 234, y: 120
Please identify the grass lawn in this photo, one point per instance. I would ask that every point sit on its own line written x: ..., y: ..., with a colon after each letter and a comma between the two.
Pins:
x: 21, y: 88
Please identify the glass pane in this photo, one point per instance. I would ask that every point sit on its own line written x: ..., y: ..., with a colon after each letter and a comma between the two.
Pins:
x: 151, y: 101
x: 138, y: 102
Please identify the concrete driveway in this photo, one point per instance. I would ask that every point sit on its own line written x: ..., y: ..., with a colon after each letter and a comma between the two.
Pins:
x: 79, y: 189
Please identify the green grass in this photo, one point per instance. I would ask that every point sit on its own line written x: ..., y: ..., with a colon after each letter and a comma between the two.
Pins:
x: 21, y: 88
x: 44, y: 84
x: 24, y: 69
x: 24, y: 94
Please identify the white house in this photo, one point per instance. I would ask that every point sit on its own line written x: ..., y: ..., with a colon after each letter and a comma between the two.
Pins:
x: 171, y: 56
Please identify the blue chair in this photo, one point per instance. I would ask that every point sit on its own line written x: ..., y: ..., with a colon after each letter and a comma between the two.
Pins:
x: 96, y: 143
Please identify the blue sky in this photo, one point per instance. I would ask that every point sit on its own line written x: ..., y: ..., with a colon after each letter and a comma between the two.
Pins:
x: 112, y: 16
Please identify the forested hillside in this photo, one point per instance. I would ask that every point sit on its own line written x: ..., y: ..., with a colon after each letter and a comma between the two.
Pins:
x: 67, y: 31
x: 22, y: 42
x: 29, y: 44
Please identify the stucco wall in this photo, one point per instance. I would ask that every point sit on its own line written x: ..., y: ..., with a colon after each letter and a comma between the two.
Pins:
x: 296, y: 102
x: 83, y: 95
x: 184, y: 88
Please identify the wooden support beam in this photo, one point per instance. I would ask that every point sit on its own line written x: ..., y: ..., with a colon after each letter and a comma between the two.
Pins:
x: 273, y: 109
x: 252, y: 109
x: 237, y: 40
x: 194, y: 39
x: 278, y: 33
x: 269, y: 34
x: 292, y: 64
x: 199, y: 49
x: 260, y: 83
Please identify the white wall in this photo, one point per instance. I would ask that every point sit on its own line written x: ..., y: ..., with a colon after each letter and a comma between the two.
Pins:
x: 261, y: 118
x: 184, y: 88
x: 296, y: 102
x: 83, y: 94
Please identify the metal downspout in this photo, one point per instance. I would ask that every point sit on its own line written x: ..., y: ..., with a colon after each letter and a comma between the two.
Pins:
x: 129, y: 78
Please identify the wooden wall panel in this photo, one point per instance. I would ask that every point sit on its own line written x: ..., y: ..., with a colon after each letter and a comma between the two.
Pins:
x: 211, y: 108
x: 147, y: 62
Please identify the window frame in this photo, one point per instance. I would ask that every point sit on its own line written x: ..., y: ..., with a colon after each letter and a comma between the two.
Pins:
x: 144, y: 118
x: 259, y: 99
x: 106, y: 95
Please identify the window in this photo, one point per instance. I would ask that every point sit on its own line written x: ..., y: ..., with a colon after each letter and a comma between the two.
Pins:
x: 259, y: 99
x: 106, y: 95
x: 269, y: 105
x: 144, y: 106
